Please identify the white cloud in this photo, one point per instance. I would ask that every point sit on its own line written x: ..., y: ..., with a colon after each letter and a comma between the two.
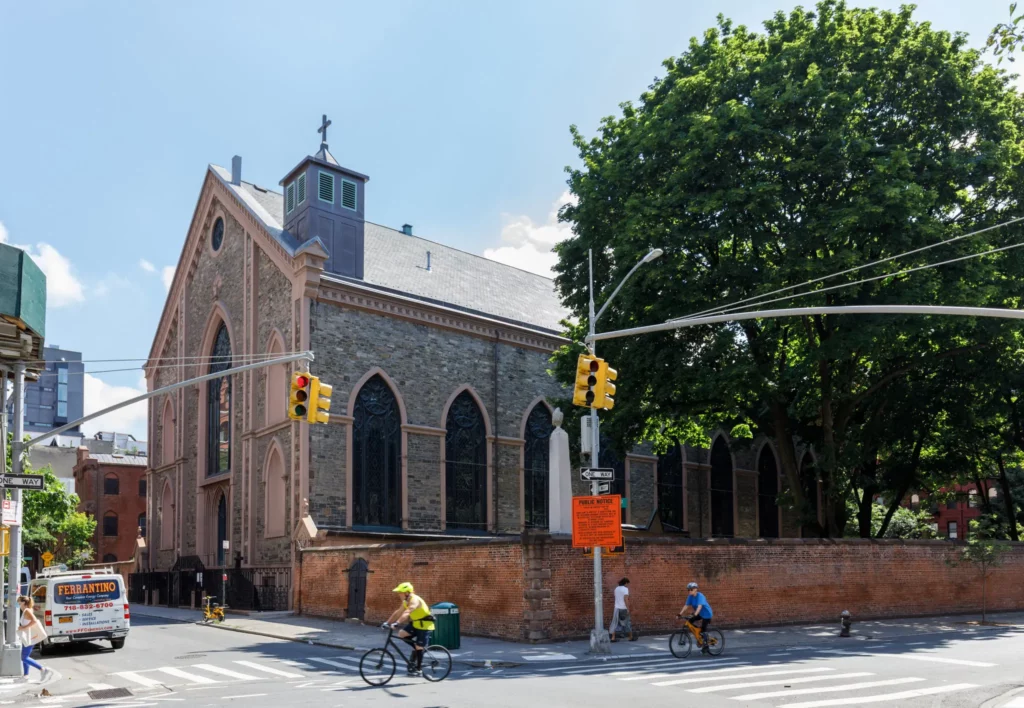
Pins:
x: 131, y: 419
x: 110, y: 282
x: 147, y: 266
x: 528, y: 244
x: 167, y: 274
x: 62, y: 287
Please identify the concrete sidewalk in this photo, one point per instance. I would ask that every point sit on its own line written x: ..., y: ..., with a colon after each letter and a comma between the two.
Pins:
x: 479, y: 651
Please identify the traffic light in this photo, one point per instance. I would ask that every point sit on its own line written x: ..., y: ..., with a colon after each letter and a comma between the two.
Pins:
x: 5, y: 541
x: 586, y: 379
x: 298, y: 401
x: 605, y: 389
x: 320, y: 401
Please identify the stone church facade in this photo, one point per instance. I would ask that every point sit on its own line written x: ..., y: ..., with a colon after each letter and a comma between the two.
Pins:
x: 441, y: 403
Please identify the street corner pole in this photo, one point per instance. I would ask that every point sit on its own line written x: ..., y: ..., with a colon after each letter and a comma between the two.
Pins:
x: 599, y: 640
x: 10, y: 659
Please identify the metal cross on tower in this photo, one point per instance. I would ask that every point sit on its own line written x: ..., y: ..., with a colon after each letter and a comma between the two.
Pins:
x: 323, y: 129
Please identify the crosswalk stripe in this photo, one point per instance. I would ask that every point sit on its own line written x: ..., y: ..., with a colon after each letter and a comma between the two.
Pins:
x: 100, y: 686
x: 267, y: 669
x: 827, y: 689
x: 225, y: 672
x: 138, y: 678
x: 787, y: 672
x: 912, y: 657
x: 194, y: 678
x: 774, y: 682
x: 1015, y: 703
x: 337, y: 664
x: 598, y: 669
x: 881, y: 698
x: 689, y: 670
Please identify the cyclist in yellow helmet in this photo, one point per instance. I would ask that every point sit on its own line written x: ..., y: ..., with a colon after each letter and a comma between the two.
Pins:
x: 416, y: 624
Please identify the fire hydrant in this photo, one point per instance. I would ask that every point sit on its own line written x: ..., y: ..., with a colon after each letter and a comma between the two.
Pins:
x: 846, y: 622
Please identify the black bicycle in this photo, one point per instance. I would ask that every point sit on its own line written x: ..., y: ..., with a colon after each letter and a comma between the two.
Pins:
x: 377, y: 666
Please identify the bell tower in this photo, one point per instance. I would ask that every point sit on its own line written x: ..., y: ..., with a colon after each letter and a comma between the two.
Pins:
x: 323, y: 199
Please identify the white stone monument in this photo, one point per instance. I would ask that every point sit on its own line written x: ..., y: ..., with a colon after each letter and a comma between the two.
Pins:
x: 559, y: 480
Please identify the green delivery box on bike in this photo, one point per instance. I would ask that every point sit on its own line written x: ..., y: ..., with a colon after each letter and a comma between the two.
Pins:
x: 446, y: 625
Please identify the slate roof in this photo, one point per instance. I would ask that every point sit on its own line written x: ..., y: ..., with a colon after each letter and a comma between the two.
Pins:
x: 105, y: 459
x: 397, y: 262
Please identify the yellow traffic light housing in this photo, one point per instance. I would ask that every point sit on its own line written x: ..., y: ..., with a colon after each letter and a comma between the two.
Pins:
x: 320, y: 401
x: 298, y: 401
x: 5, y: 541
x: 586, y: 379
x: 605, y: 389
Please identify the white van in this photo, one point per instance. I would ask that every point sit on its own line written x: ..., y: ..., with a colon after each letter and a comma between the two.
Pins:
x: 81, y: 606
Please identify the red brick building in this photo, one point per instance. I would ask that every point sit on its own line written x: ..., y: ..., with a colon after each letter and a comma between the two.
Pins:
x: 113, y: 489
x: 952, y: 518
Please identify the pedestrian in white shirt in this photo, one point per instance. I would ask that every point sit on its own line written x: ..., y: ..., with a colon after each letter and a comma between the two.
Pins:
x: 620, y: 618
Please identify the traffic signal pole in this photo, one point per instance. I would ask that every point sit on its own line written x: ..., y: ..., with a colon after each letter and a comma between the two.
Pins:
x: 599, y: 636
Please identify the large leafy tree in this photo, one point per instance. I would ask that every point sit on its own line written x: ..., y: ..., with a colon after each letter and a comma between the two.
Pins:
x: 760, y: 161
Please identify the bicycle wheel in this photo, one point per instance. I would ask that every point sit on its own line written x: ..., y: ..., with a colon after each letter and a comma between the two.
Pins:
x: 716, y: 641
x: 681, y: 644
x: 437, y: 663
x: 377, y: 667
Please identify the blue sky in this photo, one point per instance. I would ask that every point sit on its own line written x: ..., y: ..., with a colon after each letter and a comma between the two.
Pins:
x: 458, y: 111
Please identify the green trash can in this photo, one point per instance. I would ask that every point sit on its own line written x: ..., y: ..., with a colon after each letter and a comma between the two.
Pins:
x: 446, y: 625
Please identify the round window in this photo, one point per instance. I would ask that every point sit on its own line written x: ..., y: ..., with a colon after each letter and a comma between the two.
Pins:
x: 217, y: 237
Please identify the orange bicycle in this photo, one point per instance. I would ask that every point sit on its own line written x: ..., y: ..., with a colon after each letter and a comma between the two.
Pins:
x: 681, y: 642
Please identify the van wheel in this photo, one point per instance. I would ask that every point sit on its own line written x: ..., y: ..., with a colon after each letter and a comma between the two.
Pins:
x: 45, y: 648
x: 117, y: 643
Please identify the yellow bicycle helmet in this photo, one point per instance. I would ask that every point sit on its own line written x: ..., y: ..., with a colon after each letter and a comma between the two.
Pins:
x: 403, y: 587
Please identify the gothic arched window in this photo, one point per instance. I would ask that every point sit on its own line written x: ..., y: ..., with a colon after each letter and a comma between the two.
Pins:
x: 218, y: 408
x: 809, y: 483
x: 535, y: 467
x: 222, y: 528
x: 767, y: 494
x: 608, y: 457
x: 721, y: 490
x: 376, y: 456
x: 670, y: 488
x: 465, y: 454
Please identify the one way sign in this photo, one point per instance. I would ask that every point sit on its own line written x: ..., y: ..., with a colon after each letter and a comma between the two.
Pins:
x: 590, y: 474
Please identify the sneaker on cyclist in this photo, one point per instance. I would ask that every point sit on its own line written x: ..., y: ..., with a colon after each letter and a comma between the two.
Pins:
x: 413, y: 671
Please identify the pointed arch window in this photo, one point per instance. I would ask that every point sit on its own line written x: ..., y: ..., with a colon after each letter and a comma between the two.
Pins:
x: 222, y: 528
x: 166, y: 515
x: 376, y: 456
x: 536, y: 460
x: 721, y: 490
x: 670, y: 488
x: 767, y: 494
x: 609, y: 457
x: 167, y: 433
x: 275, y: 522
x: 218, y: 412
x: 465, y: 453
x: 809, y: 483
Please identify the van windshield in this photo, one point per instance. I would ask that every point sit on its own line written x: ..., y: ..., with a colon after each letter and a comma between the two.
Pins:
x: 84, y: 592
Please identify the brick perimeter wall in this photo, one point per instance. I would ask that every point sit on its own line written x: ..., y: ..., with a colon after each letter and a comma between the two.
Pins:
x: 514, y: 591
x: 484, y: 578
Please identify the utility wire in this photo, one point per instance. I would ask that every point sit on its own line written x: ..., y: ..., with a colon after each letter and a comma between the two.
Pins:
x: 241, y: 357
x: 860, y: 282
x: 725, y: 308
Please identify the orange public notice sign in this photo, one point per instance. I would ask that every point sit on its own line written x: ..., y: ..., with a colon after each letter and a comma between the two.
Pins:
x: 597, y: 521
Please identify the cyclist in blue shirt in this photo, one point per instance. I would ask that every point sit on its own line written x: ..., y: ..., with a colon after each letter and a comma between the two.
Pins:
x: 700, y: 609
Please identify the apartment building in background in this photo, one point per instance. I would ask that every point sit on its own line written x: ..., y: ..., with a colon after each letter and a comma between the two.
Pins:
x: 58, y: 396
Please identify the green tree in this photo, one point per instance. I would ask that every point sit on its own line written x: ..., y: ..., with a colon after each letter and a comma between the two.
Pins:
x: 984, y: 554
x: 1006, y: 37
x: 762, y: 160
x: 51, y: 520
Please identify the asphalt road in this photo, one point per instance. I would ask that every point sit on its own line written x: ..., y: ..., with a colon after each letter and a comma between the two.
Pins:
x: 181, y: 664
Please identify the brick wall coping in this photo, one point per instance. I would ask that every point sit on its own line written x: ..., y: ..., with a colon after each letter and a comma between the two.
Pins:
x: 415, y: 545
x: 684, y: 541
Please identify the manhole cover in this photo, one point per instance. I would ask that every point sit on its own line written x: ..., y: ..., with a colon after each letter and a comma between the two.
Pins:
x: 108, y: 693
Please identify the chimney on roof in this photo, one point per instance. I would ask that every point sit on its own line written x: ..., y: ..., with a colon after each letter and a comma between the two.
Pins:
x: 236, y: 170
x: 407, y: 229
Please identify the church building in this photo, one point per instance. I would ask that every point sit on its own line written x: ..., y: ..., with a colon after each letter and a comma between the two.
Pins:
x: 441, y: 406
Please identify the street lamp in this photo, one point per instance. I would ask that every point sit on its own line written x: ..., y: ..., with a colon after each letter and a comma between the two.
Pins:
x: 599, y: 637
